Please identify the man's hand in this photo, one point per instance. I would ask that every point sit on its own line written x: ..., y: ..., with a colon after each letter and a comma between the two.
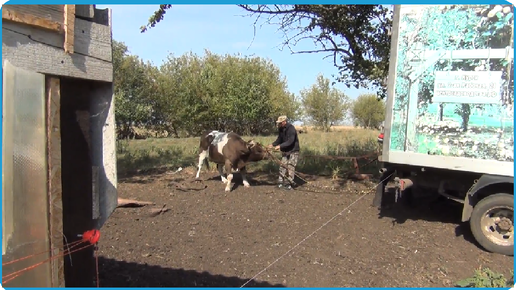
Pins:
x: 277, y: 148
x: 269, y: 146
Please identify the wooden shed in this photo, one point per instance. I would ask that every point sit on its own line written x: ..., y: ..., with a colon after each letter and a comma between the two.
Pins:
x: 58, y: 130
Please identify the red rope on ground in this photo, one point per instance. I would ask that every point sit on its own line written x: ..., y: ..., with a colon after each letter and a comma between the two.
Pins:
x: 91, y: 237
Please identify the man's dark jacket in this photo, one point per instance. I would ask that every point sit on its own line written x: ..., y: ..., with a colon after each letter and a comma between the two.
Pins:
x: 287, y: 139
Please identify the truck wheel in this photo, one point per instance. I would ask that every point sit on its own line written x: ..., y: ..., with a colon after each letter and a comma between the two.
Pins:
x: 492, y: 223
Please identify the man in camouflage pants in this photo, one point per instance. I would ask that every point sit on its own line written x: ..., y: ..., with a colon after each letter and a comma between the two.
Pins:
x: 288, y: 143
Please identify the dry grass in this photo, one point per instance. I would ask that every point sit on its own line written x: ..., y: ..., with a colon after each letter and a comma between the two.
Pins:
x: 307, y: 129
x: 172, y: 153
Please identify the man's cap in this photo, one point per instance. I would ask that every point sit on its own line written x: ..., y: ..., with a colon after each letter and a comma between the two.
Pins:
x: 281, y: 119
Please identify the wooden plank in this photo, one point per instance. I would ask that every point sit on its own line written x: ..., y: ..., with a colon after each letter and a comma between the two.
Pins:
x: 69, y: 27
x: 84, y: 11
x: 49, y: 12
x: 20, y: 17
x: 55, y: 191
x: 91, y: 39
x: 33, y: 54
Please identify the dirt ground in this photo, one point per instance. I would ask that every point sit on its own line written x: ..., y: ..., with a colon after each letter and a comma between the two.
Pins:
x: 212, y: 238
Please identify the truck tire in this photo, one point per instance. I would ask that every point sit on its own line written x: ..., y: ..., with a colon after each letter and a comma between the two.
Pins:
x: 492, y: 221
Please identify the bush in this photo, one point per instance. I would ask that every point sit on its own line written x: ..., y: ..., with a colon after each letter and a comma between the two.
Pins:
x: 485, y: 278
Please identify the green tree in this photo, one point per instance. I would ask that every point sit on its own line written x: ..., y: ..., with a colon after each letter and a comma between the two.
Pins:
x: 323, y: 105
x: 223, y: 92
x: 368, y: 111
x: 182, y: 101
x: 188, y: 94
x: 132, y: 89
x: 356, y: 36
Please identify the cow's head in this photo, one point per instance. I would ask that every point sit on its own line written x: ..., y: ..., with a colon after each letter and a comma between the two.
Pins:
x: 258, y: 152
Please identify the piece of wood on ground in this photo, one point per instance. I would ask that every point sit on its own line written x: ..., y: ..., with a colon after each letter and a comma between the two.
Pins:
x: 122, y: 202
x: 157, y: 211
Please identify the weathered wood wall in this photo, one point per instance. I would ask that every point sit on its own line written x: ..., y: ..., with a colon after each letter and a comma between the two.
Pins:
x: 72, y: 46
x: 61, y: 40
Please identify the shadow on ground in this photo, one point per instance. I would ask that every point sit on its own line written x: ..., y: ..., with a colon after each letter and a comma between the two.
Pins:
x: 114, y: 273
x: 433, y: 209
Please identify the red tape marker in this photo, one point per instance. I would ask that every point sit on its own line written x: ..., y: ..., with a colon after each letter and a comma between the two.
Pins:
x: 91, y: 236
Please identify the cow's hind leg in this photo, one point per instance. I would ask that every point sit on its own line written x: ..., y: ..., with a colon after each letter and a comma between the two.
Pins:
x: 243, y: 173
x: 202, y: 156
x: 229, y: 171
x: 220, y: 167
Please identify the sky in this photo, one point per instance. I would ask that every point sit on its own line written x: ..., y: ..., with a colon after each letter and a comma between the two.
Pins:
x: 221, y: 29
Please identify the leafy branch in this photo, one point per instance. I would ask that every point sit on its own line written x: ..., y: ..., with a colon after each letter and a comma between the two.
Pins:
x: 357, y: 37
x: 156, y: 17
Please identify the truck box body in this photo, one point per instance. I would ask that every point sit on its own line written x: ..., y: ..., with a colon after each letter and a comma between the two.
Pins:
x: 450, y: 88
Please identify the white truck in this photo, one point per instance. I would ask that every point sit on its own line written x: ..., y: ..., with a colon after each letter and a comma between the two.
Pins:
x: 449, y: 126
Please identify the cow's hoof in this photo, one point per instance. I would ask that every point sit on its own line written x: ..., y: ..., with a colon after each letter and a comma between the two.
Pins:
x: 227, y: 189
x: 247, y: 185
x: 224, y: 181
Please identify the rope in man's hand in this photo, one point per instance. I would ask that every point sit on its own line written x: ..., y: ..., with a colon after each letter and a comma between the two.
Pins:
x: 296, y: 173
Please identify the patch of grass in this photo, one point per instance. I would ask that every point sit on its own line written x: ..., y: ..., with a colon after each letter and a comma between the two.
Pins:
x: 306, y: 128
x: 350, y: 143
x: 486, y: 278
x: 136, y: 155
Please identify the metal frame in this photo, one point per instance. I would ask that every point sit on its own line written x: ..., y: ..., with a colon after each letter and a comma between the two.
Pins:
x: 391, y: 82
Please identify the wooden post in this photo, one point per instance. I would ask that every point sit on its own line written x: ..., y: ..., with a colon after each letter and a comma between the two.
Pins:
x: 69, y: 26
x: 55, y: 192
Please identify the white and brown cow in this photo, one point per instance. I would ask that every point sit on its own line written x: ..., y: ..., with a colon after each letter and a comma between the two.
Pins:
x: 229, y: 151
